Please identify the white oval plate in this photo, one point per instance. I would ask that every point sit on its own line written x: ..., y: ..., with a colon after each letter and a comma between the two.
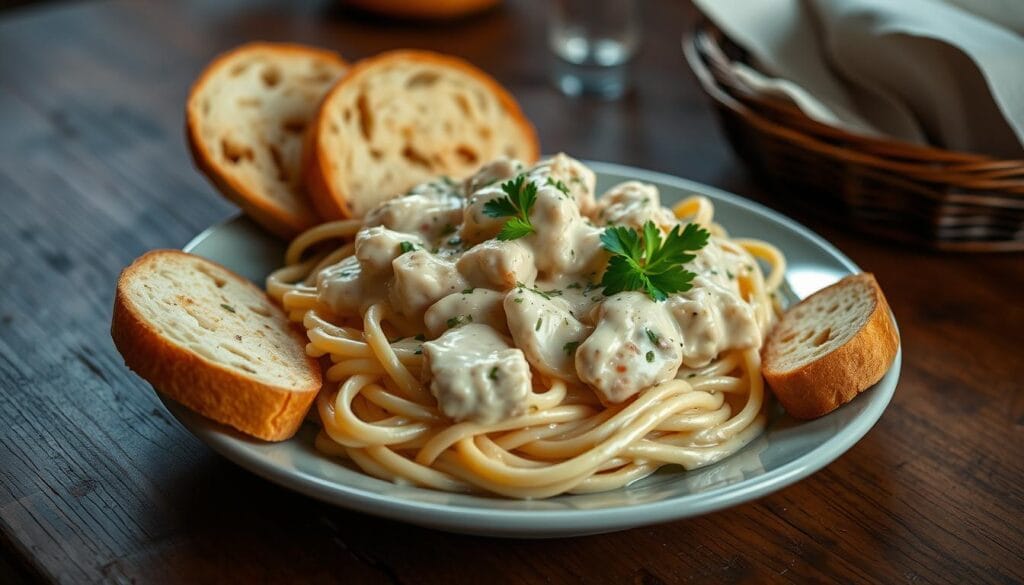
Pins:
x: 788, y: 451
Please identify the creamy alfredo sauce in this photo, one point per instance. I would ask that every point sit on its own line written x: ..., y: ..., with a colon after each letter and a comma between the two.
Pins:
x: 498, y: 316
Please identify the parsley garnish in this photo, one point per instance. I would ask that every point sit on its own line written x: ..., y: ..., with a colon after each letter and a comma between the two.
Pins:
x: 459, y: 320
x: 650, y: 356
x: 642, y: 261
x: 520, y: 195
x: 493, y: 374
x: 652, y: 336
x: 407, y: 247
x: 570, y: 347
x: 228, y: 308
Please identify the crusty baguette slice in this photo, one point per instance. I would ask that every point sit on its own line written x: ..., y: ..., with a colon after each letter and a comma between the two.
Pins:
x: 246, y: 118
x: 214, y: 342
x: 830, y: 347
x: 404, y: 117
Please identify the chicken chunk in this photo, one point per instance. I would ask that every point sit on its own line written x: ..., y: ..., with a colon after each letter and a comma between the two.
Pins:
x: 377, y: 247
x: 476, y: 375
x: 633, y: 204
x: 634, y: 345
x: 498, y: 265
x: 421, y: 279
x: 546, y: 331
x: 340, y: 287
x: 578, y: 180
x: 479, y: 305
x: 498, y: 170
x: 429, y: 210
x: 712, y: 319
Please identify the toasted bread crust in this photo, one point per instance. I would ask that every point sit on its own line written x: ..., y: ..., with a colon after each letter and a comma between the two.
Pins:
x: 282, y: 224
x: 265, y: 411
x: 329, y: 201
x: 828, y: 382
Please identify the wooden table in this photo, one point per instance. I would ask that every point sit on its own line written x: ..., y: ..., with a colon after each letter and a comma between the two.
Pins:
x: 98, y: 483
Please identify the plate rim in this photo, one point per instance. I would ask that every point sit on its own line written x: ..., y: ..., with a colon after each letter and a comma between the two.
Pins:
x: 541, y: 522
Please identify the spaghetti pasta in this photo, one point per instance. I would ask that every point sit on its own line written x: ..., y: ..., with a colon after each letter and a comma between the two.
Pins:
x: 378, y: 412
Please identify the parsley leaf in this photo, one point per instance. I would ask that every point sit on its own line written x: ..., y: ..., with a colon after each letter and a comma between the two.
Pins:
x: 642, y: 260
x: 520, y: 195
x: 515, y: 228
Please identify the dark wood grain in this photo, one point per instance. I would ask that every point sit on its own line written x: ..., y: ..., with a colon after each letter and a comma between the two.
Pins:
x: 98, y: 483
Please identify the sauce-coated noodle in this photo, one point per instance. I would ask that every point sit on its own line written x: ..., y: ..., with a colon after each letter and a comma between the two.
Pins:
x: 377, y: 413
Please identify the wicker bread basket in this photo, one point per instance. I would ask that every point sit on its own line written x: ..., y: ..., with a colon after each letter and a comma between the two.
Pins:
x: 915, y: 194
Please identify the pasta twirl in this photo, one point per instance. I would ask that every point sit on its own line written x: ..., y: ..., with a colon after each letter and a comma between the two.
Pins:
x: 573, y: 431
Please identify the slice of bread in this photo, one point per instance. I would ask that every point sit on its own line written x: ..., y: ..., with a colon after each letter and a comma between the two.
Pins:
x: 830, y: 347
x: 214, y: 342
x: 402, y: 118
x: 246, y: 118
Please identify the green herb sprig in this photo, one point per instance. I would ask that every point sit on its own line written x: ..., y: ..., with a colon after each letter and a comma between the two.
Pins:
x: 642, y: 261
x: 520, y: 195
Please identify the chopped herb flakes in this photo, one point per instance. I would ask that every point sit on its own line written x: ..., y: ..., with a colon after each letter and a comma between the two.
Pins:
x: 547, y: 294
x: 459, y: 320
x: 558, y: 184
x: 652, y: 336
x: 650, y: 356
x: 570, y: 347
x: 228, y: 308
x: 540, y: 320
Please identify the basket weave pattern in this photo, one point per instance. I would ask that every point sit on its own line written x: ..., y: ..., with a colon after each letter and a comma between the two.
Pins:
x: 920, y: 195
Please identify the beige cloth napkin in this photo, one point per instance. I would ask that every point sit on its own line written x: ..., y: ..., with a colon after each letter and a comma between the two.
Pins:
x: 942, y: 72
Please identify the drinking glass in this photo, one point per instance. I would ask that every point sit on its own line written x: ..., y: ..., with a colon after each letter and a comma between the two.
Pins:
x: 594, y: 40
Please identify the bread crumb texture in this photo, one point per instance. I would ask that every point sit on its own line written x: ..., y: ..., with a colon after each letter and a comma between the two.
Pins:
x: 208, y: 311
